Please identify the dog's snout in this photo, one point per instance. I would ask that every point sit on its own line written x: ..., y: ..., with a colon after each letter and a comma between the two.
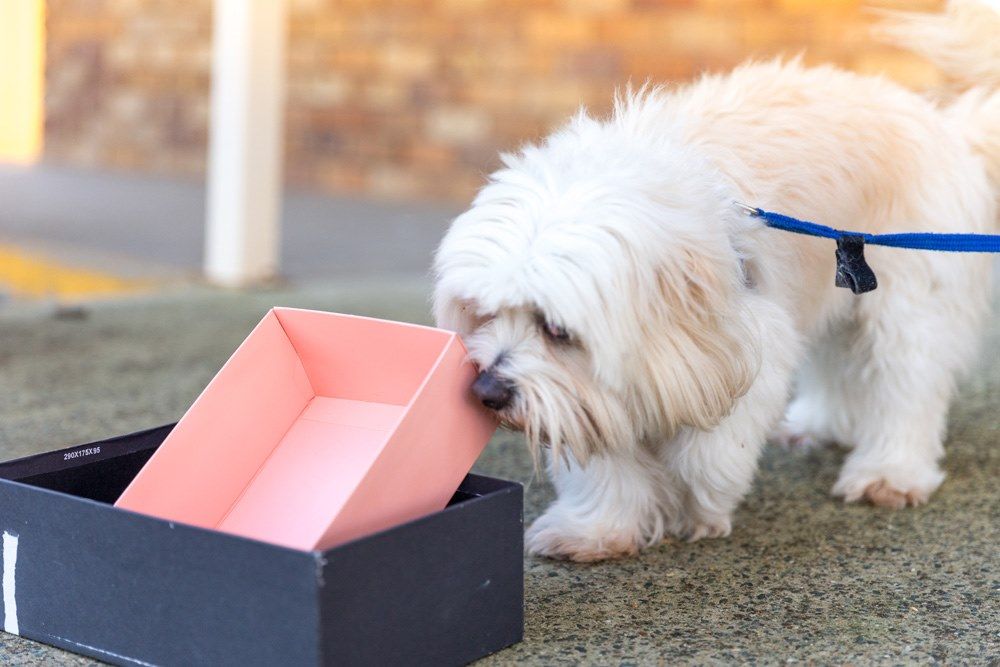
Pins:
x: 493, y: 391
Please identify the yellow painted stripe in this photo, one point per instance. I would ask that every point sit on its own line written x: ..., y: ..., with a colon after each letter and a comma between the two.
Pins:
x: 28, y: 275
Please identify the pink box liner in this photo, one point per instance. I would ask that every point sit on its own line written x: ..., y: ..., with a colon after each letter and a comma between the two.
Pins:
x: 319, y: 429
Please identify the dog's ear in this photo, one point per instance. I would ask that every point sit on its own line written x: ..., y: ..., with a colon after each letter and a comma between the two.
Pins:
x: 717, y: 366
x: 709, y: 353
x: 697, y: 284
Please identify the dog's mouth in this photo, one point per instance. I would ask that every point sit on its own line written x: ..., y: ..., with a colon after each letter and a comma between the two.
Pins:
x: 521, y: 407
x: 511, y: 421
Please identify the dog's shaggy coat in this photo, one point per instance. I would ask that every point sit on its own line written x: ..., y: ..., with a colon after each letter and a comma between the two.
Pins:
x: 650, y: 335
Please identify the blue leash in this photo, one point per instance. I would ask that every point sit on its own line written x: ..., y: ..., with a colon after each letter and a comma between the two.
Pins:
x: 853, y: 271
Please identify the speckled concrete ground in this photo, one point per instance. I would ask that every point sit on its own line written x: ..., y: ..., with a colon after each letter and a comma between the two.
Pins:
x: 802, y: 579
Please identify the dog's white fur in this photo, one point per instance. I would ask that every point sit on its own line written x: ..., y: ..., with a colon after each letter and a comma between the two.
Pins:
x: 691, y: 323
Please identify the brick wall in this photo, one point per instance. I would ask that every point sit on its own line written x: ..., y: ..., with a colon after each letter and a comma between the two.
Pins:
x: 127, y: 84
x: 412, y: 98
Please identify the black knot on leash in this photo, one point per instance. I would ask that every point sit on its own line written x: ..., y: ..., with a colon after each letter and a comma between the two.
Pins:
x: 853, y: 271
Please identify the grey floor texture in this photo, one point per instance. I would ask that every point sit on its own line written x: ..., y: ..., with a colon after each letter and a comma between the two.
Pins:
x: 154, y: 226
x: 802, y: 579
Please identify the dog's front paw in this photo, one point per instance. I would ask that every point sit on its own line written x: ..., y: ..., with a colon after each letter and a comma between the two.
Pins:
x: 693, y: 528
x: 789, y: 437
x: 709, y: 529
x: 802, y: 427
x: 554, y: 535
x: 890, y: 489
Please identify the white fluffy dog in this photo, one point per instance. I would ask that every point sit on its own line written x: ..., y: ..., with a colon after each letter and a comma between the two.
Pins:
x: 628, y: 317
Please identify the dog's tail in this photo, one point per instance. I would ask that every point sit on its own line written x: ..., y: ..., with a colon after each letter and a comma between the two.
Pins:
x: 964, y: 42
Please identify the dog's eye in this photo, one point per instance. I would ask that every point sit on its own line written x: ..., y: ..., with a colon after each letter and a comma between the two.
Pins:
x: 555, y: 332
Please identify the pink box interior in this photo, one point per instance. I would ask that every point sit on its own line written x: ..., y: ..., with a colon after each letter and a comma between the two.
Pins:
x: 319, y: 429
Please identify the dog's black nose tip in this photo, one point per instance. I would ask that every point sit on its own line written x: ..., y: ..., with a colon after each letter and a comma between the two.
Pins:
x: 494, y: 392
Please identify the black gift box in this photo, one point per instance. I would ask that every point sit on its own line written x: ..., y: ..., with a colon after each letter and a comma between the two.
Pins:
x: 132, y: 589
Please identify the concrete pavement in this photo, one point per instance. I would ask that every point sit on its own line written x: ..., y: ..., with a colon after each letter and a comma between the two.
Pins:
x: 802, y: 578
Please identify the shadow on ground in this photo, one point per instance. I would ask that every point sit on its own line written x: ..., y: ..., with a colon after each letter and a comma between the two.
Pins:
x: 802, y: 579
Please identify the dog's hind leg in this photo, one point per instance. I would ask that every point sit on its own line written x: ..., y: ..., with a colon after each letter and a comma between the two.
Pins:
x: 609, y: 508
x: 913, y: 336
x: 817, y: 414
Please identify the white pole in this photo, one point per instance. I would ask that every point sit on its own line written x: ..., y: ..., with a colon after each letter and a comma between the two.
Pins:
x: 242, y: 236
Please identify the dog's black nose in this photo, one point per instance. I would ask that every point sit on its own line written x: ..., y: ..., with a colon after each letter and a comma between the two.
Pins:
x: 494, y: 392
